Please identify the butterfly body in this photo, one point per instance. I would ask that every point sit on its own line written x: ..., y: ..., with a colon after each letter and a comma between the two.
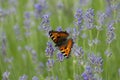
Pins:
x: 61, y: 41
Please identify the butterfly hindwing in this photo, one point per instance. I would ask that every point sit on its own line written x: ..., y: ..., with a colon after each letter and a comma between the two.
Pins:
x: 66, y: 48
x: 58, y: 37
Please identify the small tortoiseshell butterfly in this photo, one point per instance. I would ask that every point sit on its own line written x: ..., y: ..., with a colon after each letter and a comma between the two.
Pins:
x: 61, y: 41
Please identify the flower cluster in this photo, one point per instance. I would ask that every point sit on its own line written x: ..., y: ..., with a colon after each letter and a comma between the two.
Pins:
x: 89, y: 18
x: 45, y: 23
x: 110, y: 33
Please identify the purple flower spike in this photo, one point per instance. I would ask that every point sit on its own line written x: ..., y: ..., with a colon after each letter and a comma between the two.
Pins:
x: 50, y: 64
x: 88, y: 74
x: 38, y: 7
x: 110, y: 33
x: 79, y: 16
x: 89, y: 18
x: 45, y: 23
x: 24, y: 77
x: 59, y: 28
x: 5, y: 75
x: 60, y: 57
x: 79, y: 52
x: 49, y: 50
x: 95, y: 60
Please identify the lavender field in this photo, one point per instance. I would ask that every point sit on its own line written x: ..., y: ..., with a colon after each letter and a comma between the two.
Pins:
x: 28, y: 53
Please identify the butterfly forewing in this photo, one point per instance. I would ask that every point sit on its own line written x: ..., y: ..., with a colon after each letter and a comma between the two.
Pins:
x: 58, y: 37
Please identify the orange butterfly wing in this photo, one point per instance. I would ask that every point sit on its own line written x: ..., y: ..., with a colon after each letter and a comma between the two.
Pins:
x: 58, y: 37
x: 66, y: 48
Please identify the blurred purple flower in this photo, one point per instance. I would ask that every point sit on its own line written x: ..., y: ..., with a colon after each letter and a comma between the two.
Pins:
x: 39, y: 7
x: 95, y: 60
x: 108, y: 11
x: 79, y: 52
x: 79, y: 17
x: 75, y: 34
x: 27, y: 20
x: 23, y: 77
x: 88, y: 74
x: 60, y: 5
x: 27, y: 15
x: 27, y: 23
x: 50, y: 64
x: 59, y: 28
x: 60, y: 57
x: 89, y: 18
x: 5, y: 75
x: 100, y: 20
x: 35, y: 78
x: 2, y: 13
x: 49, y: 50
x: 45, y: 23
x: 110, y: 33
x: 34, y: 56
x: 17, y: 32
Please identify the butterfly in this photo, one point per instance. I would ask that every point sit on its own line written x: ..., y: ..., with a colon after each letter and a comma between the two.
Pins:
x: 61, y: 41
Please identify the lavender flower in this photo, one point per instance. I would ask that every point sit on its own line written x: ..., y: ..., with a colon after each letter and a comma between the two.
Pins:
x: 59, y: 28
x: 101, y: 20
x: 89, y: 18
x: 79, y: 17
x: 50, y: 64
x: 39, y: 7
x: 2, y: 13
x: 27, y: 22
x: 34, y: 56
x: 35, y: 78
x: 75, y: 34
x: 60, y: 5
x: 95, y: 60
x: 5, y: 75
x: 45, y: 23
x: 88, y: 74
x: 23, y: 77
x: 108, y: 11
x: 79, y: 52
x: 17, y: 32
x: 110, y: 33
x: 49, y: 50
x: 60, y: 57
